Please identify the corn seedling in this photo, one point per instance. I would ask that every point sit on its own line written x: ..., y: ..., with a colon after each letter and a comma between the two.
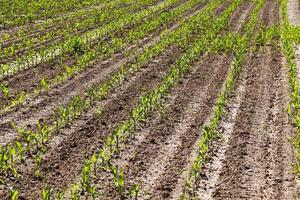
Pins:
x: 46, y: 192
x: 135, y: 190
x: 14, y: 194
x: 75, y: 194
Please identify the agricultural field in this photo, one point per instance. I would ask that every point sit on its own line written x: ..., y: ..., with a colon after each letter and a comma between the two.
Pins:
x: 150, y: 99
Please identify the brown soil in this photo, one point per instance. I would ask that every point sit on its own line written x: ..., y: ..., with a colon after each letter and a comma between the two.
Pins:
x: 253, y: 158
x: 156, y: 156
x: 93, y: 132
x: 42, y: 106
x: 50, y: 69
x: 257, y: 159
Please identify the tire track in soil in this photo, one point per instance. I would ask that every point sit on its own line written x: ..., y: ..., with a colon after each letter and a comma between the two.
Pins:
x: 293, y: 8
x: 83, y: 141
x: 41, y: 106
x: 257, y: 158
x: 253, y: 159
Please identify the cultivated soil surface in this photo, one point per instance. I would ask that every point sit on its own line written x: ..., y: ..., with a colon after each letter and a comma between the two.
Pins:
x: 252, y: 158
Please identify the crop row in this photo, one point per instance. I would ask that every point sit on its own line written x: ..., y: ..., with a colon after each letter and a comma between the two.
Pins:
x: 288, y: 39
x: 77, y: 105
x: 179, y: 36
x: 101, y: 159
x: 45, y: 39
x: 36, y: 57
x: 209, y: 132
x: 21, y: 12
x: 101, y: 49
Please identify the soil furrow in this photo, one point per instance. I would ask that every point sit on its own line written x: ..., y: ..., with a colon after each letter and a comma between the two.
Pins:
x: 253, y: 159
x: 50, y: 69
x: 241, y: 17
x: 158, y: 160
x: 71, y: 151
x: 151, y: 160
x: 258, y: 153
x: 41, y: 106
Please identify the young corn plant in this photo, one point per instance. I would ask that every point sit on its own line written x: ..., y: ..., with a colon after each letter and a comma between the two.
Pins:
x: 5, y: 91
x: 75, y: 194
x: 21, y: 149
x: 135, y: 190
x: 119, y: 181
x: 85, y: 181
x: 14, y: 194
x: 42, y: 136
x: 44, y: 85
x: 60, y: 195
x: 38, y: 162
x: 46, y: 192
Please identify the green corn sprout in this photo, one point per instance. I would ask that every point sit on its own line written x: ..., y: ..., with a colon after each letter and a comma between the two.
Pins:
x: 60, y: 195
x: 94, y: 161
x: 93, y: 192
x: 44, y: 85
x: 135, y: 190
x: 75, y: 195
x: 46, y: 192
x: 38, y: 162
x: 5, y: 91
x: 92, y: 94
x: 21, y: 151
x: 69, y: 71
x: 14, y: 194
x: 118, y: 176
x: 86, y: 177
x: 42, y: 136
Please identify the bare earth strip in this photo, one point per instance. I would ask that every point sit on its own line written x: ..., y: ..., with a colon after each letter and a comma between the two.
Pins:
x: 294, y: 12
